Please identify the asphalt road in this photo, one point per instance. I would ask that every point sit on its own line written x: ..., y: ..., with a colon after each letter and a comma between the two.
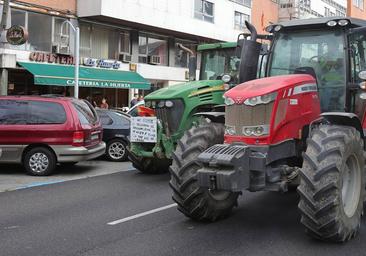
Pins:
x: 71, y: 218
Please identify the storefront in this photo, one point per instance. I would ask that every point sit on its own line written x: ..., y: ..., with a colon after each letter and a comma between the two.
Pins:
x: 47, y: 73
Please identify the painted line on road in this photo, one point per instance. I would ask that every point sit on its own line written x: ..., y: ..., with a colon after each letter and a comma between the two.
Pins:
x: 142, y: 214
x: 37, y: 184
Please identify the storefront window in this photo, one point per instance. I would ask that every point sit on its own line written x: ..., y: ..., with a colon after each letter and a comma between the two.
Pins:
x: 40, y: 31
x: 153, y: 50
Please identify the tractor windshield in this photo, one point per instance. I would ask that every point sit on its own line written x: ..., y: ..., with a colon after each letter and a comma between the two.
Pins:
x: 219, y: 62
x: 321, y: 50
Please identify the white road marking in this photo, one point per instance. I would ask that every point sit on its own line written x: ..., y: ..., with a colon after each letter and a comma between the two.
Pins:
x: 141, y: 214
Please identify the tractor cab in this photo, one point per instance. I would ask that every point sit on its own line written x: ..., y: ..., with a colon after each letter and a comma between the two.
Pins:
x: 331, y: 48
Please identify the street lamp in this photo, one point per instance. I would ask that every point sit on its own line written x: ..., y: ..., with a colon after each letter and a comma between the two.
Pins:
x: 76, y: 54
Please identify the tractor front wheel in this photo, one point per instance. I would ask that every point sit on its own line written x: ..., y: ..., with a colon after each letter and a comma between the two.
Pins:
x: 196, y: 202
x: 151, y: 165
x: 332, y: 186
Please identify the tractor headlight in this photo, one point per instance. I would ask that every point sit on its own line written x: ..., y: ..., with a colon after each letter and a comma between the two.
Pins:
x: 264, y: 99
x: 161, y: 104
x: 169, y: 104
x: 148, y: 104
x: 229, y: 101
x: 259, y: 130
x: 230, y: 130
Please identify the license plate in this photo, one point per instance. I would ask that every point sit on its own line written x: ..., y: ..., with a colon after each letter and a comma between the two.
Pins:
x: 94, y: 137
x: 143, y: 129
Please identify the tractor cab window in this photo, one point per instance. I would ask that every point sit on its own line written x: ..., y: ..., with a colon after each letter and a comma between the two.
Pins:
x: 358, y: 64
x: 219, y: 62
x: 321, y: 50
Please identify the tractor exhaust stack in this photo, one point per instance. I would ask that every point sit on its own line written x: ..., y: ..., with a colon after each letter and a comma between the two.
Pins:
x: 249, y: 56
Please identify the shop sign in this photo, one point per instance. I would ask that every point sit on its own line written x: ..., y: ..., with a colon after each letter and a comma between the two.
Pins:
x: 102, y: 84
x: 101, y: 63
x: 52, y: 58
x: 16, y: 35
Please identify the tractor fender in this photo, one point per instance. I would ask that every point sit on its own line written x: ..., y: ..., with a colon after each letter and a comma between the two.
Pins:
x: 217, y: 117
x: 343, y: 118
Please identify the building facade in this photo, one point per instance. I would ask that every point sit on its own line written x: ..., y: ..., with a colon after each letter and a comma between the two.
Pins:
x: 124, y: 36
x: 304, y: 9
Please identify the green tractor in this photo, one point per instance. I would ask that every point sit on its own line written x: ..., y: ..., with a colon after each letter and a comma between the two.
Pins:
x: 175, y: 107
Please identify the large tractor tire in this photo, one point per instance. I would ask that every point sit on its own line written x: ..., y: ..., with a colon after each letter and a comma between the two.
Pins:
x: 196, y: 202
x: 151, y: 165
x: 332, y: 186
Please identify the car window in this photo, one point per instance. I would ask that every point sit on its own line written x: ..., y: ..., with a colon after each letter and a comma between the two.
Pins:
x: 104, y: 118
x: 13, y: 112
x: 40, y: 112
x: 86, y: 113
x: 124, y: 119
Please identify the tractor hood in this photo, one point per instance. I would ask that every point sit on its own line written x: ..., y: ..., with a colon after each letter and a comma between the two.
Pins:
x: 266, y: 85
x: 186, y: 90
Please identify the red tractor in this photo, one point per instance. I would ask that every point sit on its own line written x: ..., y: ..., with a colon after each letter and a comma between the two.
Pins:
x: 301, y: 126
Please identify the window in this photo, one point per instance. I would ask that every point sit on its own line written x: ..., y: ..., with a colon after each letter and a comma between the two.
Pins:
x: 104, y: 118
x: 326, y: 12
x: 204, y: 10
x: 125, y: 43
x: 40, y: 31
x: 358, y: 4
x: 13, y: 112
x: 239, y: 20
x: 18, y: 18
x: 216, y: 63
x: 321, y: 50
x: 44, y: 30
x: 181, y: 58
x: 46, y: 113
x: 85, y: 112
x: 85, y: 40
x: 305, y: 3
x: 61, y: 38
x: 153, y: 50
x: 247, y: 3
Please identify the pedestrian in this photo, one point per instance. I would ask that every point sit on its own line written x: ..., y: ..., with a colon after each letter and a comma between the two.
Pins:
x: 134, y: 100
x: 104, y: 104
x: 141, y: 98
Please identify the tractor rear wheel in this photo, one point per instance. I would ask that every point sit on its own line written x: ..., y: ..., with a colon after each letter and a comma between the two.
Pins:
x: 332, y: 186
x: 196, y: 202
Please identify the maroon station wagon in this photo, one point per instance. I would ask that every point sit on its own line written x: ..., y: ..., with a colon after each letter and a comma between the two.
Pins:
x: 41, y: 131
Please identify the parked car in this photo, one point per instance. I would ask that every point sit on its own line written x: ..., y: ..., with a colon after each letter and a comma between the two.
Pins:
x: 40, y: 131
x: 134, y: 110
x: 116, y: 131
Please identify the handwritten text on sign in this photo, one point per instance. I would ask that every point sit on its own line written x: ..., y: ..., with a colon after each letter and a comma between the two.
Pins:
x: 143, y: 129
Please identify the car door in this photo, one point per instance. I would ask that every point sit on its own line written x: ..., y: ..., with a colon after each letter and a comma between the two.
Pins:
x: 13, y: 129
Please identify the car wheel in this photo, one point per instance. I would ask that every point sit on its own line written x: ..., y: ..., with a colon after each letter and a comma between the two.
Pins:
x: 116, y: 150
x: 39, y: 161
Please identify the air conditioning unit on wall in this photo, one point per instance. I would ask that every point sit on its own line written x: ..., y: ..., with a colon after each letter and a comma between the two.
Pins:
x: 153, y: 59
x: 124, y: 57
x: 60, y: 49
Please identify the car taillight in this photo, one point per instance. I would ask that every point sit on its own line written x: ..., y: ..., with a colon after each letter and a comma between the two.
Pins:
x: 78, y: 139
x: 145, y: 111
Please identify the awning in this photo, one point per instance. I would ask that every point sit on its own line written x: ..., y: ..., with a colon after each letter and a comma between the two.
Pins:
x: 63, y: 75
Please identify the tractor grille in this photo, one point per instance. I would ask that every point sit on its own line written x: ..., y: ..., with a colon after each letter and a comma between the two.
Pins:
x: 170, y: 117
x: 242, y: 115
